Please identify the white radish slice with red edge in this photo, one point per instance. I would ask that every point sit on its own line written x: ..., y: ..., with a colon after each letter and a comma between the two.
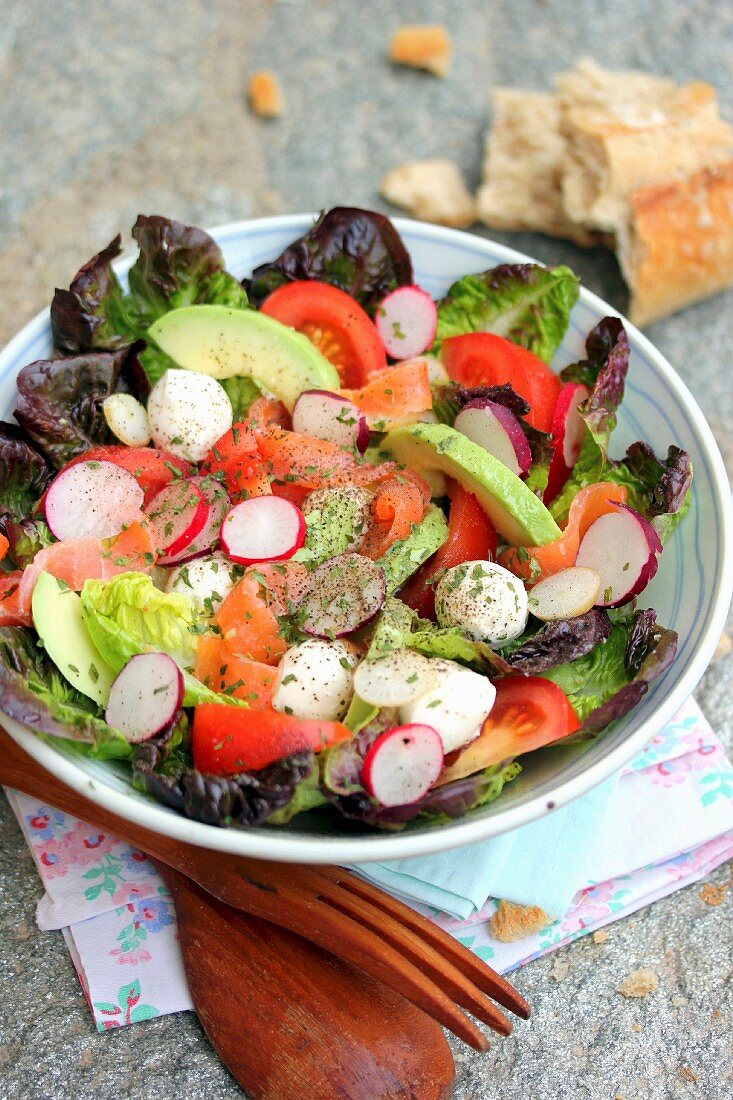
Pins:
x: 262, y: 529
x: 177, y: 514
x: 145, y: 696
x: 403, y: 764
x: 127, y: 419
x: 498, y: 431
x: 406, y: 321
x: 565, y: 594
x: 394, y: 680
x: 568, y: 432
x: 95, y: 499
x: 329, y: 416
x: 346, y: 592
x: 622, y: 547
x: 219, y: 504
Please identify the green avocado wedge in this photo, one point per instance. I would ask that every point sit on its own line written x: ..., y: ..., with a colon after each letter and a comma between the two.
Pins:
x: 57, y: 617
x: 518, y: 515
x: 225, y: 342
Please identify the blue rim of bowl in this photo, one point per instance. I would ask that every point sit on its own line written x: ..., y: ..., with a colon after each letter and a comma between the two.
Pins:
x: 381, y: 847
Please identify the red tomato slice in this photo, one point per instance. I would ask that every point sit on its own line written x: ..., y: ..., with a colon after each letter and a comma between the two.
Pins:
x: 471, y: 537
x: 335, y: 323
x: 483, y: 359
x: 227, y: 740
x: 529, y: 712
x: 152, y: 468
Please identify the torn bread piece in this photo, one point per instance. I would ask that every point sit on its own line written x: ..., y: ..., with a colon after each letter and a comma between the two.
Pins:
x: 523, y: 167
x: 627, y: 130
x: 265, y: 95
x: 676, y: 245
x: 432, y: 190
x: 422, y: 47
x: 513, y: 922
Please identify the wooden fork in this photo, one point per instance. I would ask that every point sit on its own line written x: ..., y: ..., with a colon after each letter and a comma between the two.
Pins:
x: 326, y: 905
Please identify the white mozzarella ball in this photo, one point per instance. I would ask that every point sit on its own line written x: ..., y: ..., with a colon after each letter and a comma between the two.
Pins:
x: 188, y: 412
x: 207, y: 581
x: 315, y: 680
x: 456, y: 707
x: 487, y: 602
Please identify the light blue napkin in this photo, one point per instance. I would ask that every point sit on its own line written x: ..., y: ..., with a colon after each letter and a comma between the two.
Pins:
x: 539, y: 864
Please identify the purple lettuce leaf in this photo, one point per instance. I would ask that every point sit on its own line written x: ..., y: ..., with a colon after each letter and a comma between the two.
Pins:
x: 60, y: 400
x: 92, y: 314
x: 358, y: 251
x: 604, y: 373
x: 24, y: 474
x: 561, y: 641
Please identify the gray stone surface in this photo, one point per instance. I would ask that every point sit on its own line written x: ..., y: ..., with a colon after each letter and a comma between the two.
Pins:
x: 110, y: 109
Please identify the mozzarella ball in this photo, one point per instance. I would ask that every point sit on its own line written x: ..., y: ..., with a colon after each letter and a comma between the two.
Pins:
x: 188, y: 412
x: 315, y: 680
x: 456, y: 707
x: 207, y: 581
x: 486, y: 601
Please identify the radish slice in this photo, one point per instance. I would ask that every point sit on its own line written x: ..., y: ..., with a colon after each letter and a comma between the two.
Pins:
x: 177, y: 514
x: 403, y: 764
x: 346, y: 593
x: 262, y: 529
x: 219, y: 504
x: 498, y: 431
x: 622, y: 547
x: 565, y: 594
x: 329, y: 416
x: 406, y: 321
x: 145, y: 696
x: 395, y: 680
x: 568, y: 432
x: 127, y: 419
x: 92, y: 499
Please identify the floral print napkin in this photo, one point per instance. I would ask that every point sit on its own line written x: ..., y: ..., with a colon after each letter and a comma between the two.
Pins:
x: 672, y: 810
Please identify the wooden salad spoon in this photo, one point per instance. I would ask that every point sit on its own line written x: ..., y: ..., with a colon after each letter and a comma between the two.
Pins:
x: 330, y: 907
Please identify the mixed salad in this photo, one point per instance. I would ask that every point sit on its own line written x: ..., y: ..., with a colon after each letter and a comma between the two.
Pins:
x: 317, y: 541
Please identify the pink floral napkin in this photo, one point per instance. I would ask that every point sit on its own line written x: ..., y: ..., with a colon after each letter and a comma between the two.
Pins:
x: 672, y: 815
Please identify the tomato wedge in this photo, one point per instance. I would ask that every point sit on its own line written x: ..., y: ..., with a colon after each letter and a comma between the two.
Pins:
x: 4, y: 544
x: 152, y: 468
x: 483, y: 359
x: 227, y: 740
x: 337, y: 325
x: 529, y: 712
x: 471, y: 537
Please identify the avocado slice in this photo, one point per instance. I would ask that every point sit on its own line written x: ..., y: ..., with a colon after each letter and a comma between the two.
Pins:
x: 224, y: 342
x: 58, y: 619
x: 518, y: 515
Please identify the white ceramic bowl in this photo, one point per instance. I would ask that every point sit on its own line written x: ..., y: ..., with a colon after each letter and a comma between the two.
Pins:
x: 691, y: 591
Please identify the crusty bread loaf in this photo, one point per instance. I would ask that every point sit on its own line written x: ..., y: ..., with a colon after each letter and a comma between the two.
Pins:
x: 625, y: 158
x: 625, y: 131
x: 676, y: 246
x: 523, y: 166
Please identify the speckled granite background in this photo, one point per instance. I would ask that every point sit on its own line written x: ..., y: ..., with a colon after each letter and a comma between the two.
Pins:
x: 107, y: 110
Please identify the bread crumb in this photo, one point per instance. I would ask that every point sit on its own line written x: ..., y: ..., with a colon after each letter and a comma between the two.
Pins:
x: 422, y: 47
x: 678, y: 1001
x: 638, y: 983
x: 513, y: 922
x: 724, y: 646
x: 601, y: 936
x: 432, y: 190
x: 636, y: 1027
x: 560, y: 969
x: 265, y: 95
x: 712, y: 894
x: 687, y: 1075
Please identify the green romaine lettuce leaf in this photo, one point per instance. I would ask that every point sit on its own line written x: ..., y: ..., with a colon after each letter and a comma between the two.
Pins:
x: 33, y: 691
x: 241, y: 391
x: 526, y: 303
